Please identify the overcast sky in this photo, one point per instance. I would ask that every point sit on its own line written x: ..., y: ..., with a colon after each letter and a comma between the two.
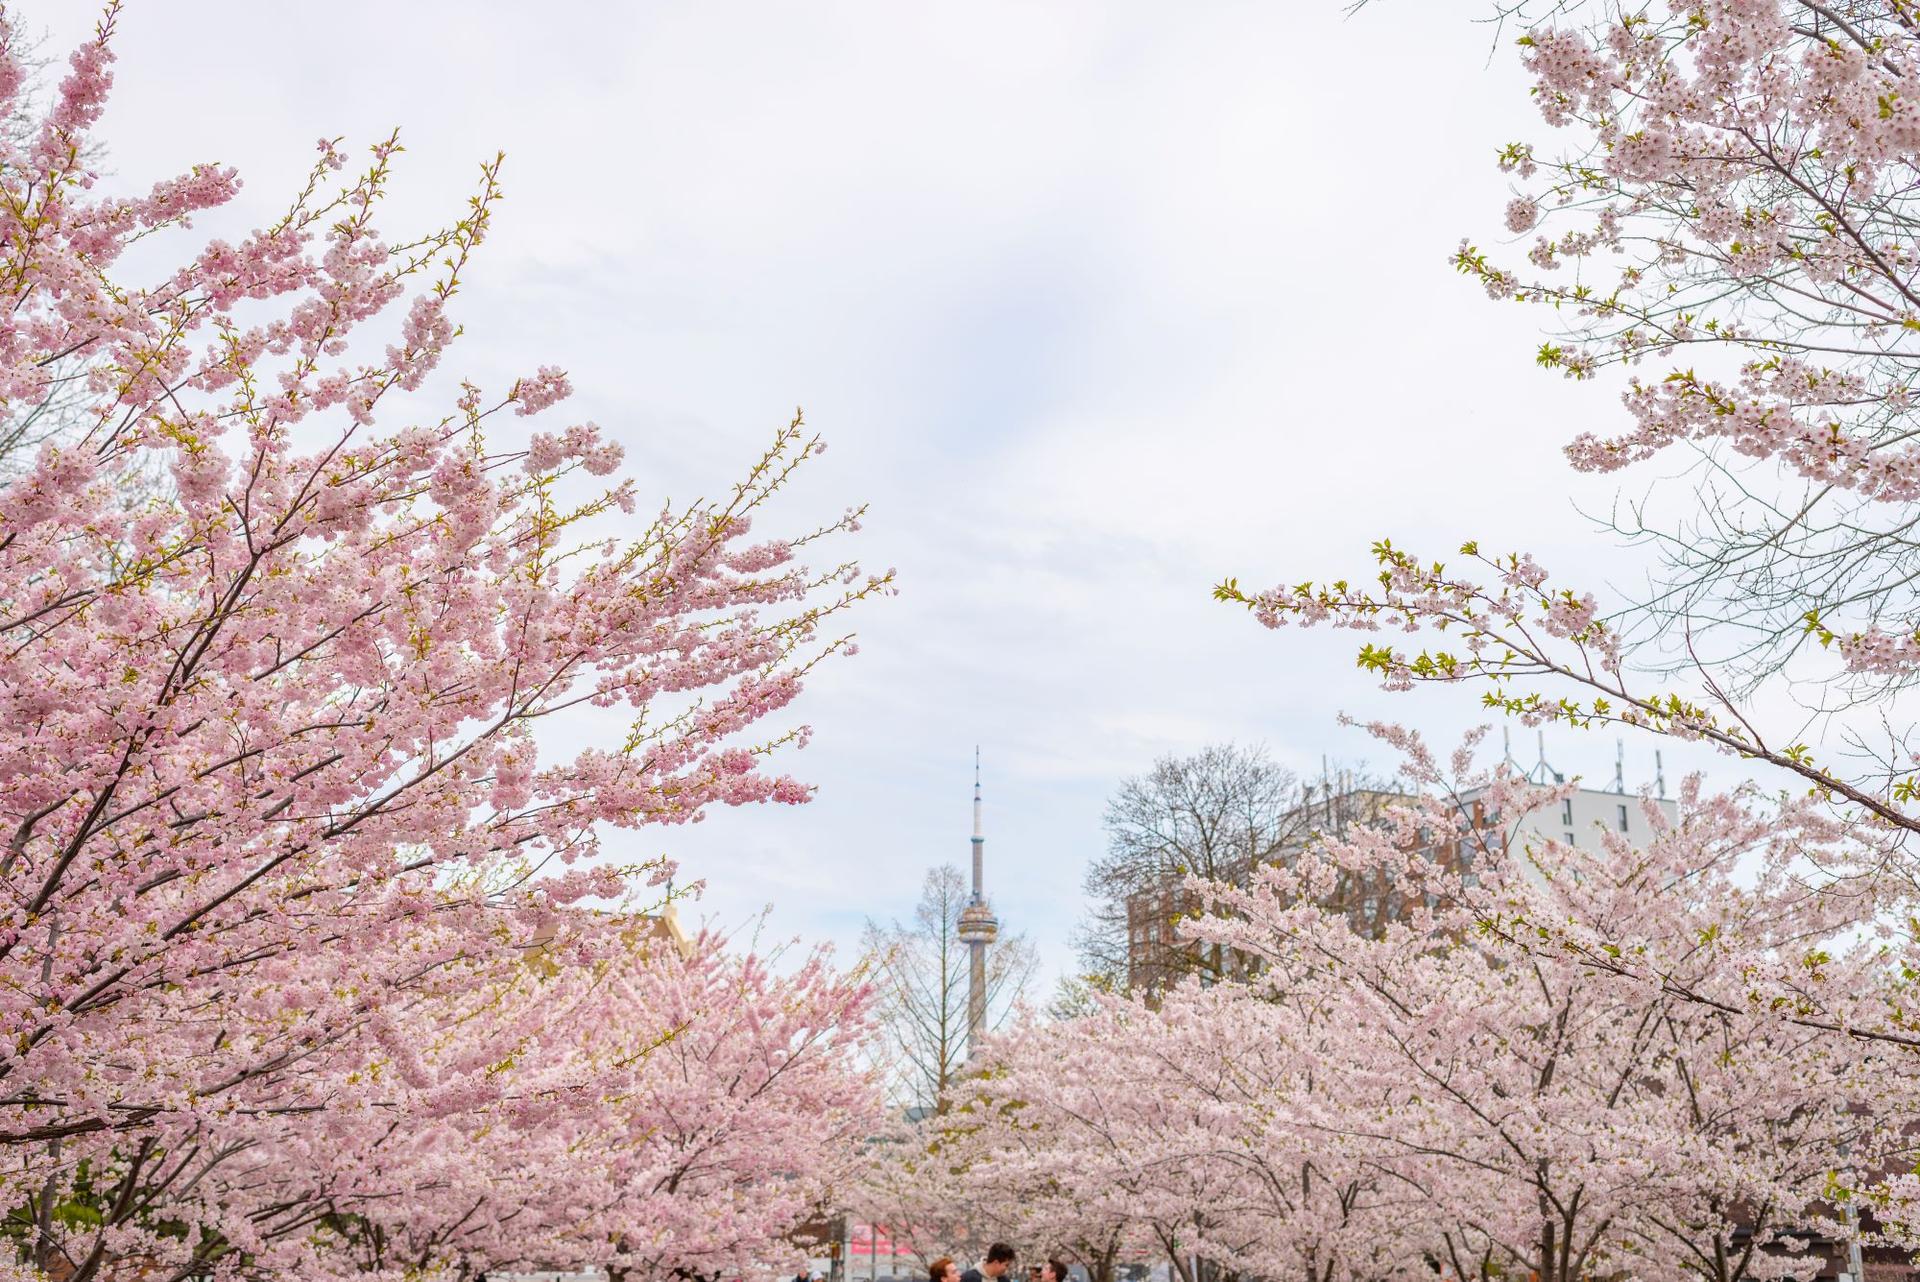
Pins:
x: 1097, y: 303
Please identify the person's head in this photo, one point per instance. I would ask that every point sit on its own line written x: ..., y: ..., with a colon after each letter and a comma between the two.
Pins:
x: 943, y: 1270
x: 1054, y: 1272
x: 999, y: 1260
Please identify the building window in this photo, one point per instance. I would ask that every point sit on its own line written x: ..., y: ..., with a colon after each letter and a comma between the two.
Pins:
x: 1623, y: 816
x: 1571, y: 841
x: 1566, y: 811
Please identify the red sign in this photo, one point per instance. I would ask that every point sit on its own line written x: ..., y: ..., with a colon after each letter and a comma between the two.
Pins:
x: 875, y: 1239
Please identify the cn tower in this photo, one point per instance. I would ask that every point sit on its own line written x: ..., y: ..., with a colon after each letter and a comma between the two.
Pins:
x: 977, y: 929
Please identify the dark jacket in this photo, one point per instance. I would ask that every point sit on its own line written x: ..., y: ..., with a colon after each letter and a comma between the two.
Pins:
x: 975, y: 1275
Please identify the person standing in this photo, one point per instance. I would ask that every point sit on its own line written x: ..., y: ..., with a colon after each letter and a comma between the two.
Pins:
x: 943, y: 1270
x: 1055, y: 1271
x: 999, y: 1259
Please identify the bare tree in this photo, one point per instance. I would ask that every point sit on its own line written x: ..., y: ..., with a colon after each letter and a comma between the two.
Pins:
x: 1216, y: 814
x: 923, y: 976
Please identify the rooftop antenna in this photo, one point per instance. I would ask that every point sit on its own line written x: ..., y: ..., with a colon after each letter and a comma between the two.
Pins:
x: 1659, y: 775
x: 1620, y: 766
x: 1506, y: 749
x: 1542, y: 772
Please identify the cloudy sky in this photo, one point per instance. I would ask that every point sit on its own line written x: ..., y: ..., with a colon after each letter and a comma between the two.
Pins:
x: 1097, y: 303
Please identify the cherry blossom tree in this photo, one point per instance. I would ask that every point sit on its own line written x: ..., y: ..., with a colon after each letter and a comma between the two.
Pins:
x: 1243, y: 1079
x: 1547, y: 1110
x: 602, y: 1103
x: 1669, y: 1060
x: 931, y: 1183
x: 1553, y: 1061
x: 1069, y: 1155
x: 1137, y: 1131
x: 745, y: 1124
x: 1727, y: 201
x: 1728, y: 196
x: 277, y: 819
x: 1721, y: 227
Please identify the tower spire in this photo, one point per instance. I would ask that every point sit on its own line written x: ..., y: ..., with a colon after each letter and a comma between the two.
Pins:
x: 979, y: 832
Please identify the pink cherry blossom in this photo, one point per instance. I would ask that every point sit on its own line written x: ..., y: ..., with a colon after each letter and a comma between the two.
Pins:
x: 297, y: 951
